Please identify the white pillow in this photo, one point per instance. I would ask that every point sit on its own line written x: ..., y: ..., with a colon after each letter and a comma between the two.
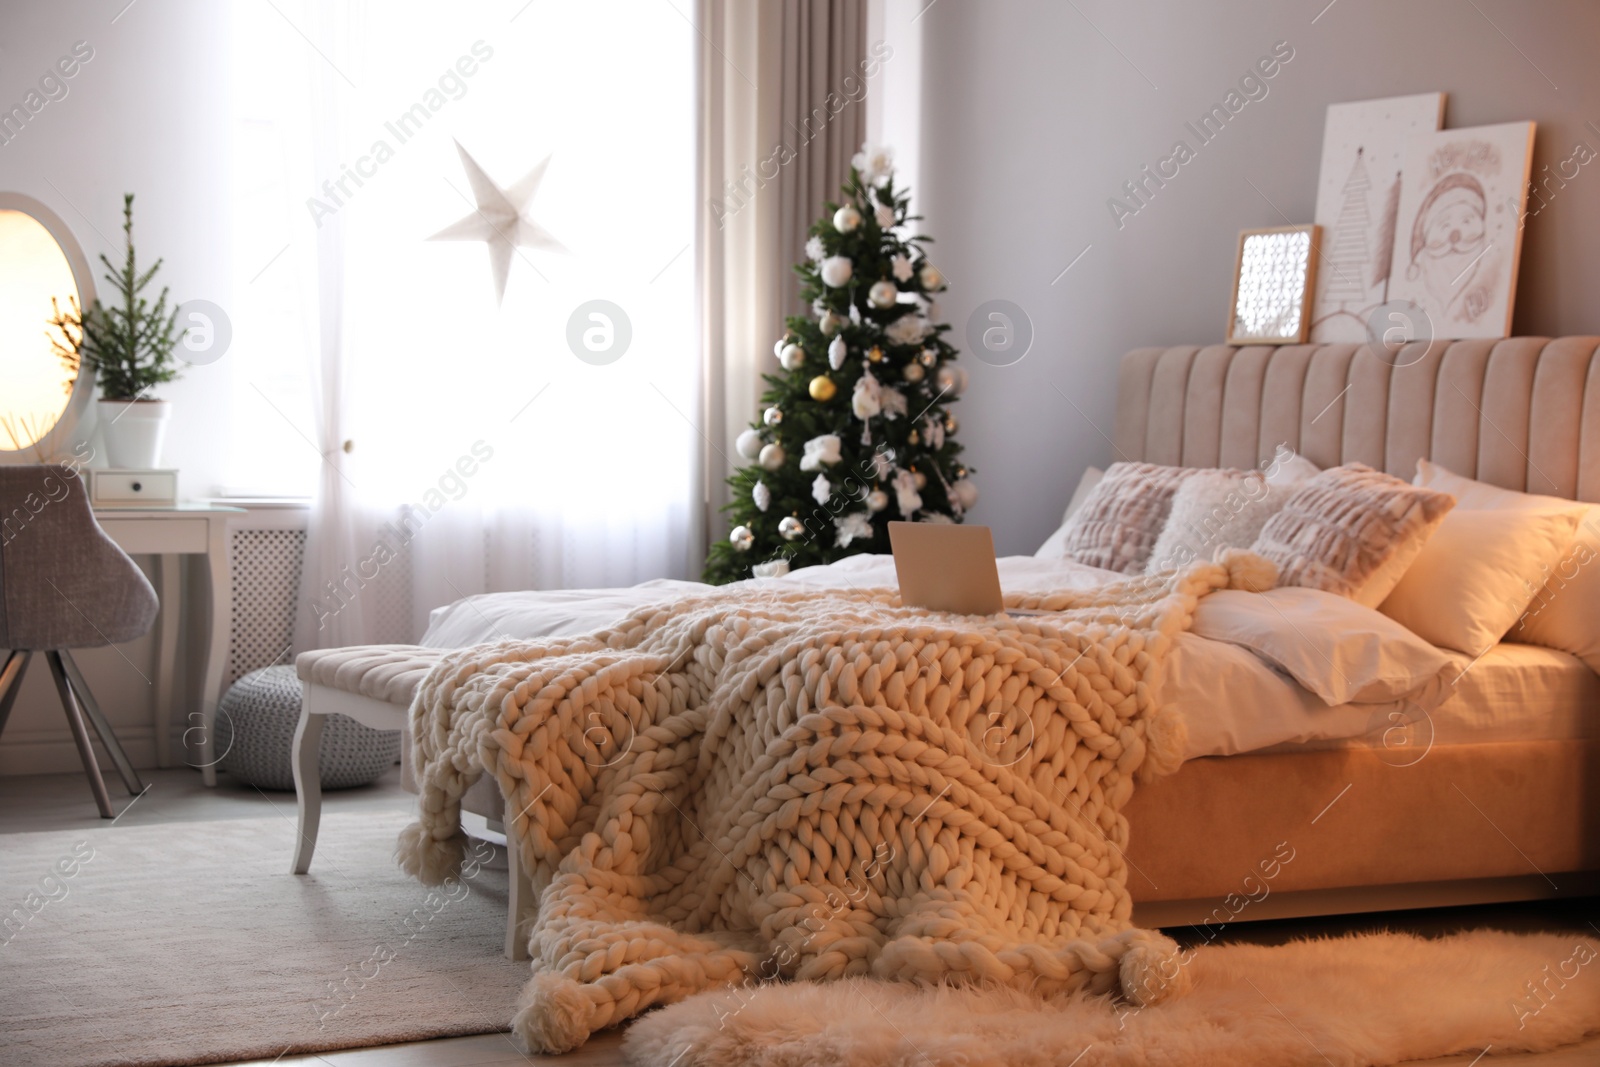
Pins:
x: 1334, y: 647
x: 1213, y: 510
x: 1564, y: 611
x: 1055, y: 546
x: 1288, y: 468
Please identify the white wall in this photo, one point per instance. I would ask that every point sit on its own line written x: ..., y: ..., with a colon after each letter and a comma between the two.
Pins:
x: 148, y: 114
x: 1033, y: 115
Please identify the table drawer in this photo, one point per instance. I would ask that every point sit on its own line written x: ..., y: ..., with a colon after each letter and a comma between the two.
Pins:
x: 156, y: 536
x: 132, y: 489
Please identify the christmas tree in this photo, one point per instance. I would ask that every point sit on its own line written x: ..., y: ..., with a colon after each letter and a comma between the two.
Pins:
x: 857, y: 432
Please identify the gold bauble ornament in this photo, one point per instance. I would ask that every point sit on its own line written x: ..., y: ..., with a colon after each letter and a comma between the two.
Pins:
x: 928, y: 357
x: 791, y: 528
x: 822, y: 388
x: 875, y: 354
x: 950, y: 424
x: 919, y: 479
x: 913, y: 437
x: 912, y: 372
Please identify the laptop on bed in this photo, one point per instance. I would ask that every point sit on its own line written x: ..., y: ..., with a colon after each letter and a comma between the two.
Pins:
x: 944, y: 567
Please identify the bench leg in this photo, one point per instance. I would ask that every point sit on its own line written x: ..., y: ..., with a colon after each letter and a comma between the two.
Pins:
x: 307, y: 786
x: 519, y: 898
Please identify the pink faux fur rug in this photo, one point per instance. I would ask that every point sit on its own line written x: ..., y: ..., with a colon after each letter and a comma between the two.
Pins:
x: 1351, y: 1002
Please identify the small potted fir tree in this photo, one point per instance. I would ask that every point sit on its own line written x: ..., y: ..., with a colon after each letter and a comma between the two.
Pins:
x: 129, y: 349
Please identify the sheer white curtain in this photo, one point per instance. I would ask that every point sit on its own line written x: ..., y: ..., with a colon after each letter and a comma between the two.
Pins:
x: 467, y: 443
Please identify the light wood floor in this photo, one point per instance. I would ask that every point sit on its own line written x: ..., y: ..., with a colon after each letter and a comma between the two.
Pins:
x: 62, y: 801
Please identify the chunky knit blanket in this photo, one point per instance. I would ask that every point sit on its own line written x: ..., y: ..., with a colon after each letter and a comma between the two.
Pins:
x: 768, y: 782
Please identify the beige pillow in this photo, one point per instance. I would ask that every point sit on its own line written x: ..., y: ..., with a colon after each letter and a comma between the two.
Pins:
x: 1351, y: 530
x: 1119, y: 522
x: 1213, y: 510
x: 1476, y: 574
x: 1563, y: 611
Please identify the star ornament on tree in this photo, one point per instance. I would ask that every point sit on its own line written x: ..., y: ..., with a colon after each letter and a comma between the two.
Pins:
x: 501, y: 219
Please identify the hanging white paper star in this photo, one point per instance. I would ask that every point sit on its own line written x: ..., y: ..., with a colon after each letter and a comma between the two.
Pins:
x: 500, y: 220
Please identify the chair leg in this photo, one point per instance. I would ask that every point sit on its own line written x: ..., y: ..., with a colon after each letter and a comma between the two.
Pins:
x: 97, y: 719
x: 80, y: 734
x: 11, y: 682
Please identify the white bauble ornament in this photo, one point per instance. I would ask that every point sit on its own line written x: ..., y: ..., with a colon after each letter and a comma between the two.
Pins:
x: 791, y: 357
x: 877, y: 500
x: 883, y: 294
x: 837, y: 271
x: 931, y: 278
x: 964, y: 492
x: 761, y: 495
x: 913, y: 372
x: 791, y: 528
x: 838, y: 351
x: 829, y: 323
x: 927, y: 357
x: 773, y: 568
x: 771, y: 456
x: 749, y: 444
x: 777, y: 349
x: 885, y: 216
x: 947, y: 380
x: 772, y: 416
x: 741, y: 538
x: 846, y: 218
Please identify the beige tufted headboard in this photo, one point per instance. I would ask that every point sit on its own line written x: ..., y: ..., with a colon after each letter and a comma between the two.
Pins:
x: 1522, y: 413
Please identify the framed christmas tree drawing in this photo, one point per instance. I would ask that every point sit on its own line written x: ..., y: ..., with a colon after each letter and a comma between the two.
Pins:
x: 1364, y: 145
x: 1459, y: 234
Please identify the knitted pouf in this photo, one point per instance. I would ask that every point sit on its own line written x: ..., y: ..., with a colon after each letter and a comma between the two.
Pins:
x: 255, y: 734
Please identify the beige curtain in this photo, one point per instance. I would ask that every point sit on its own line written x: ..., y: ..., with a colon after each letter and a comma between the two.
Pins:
x: 781, y: 109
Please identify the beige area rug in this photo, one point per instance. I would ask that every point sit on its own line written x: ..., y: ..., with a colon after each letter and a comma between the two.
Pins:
x: 1350, y: 1002
x: 191, y: 943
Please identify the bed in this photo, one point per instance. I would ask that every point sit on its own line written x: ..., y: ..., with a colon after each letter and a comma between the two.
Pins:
x: 1484, y: 799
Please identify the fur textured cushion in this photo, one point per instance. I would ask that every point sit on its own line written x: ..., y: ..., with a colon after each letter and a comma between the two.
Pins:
x: 1118, y: 525
x: 1215, y: 510
x: 773, y: 782
x: 1353, y: 531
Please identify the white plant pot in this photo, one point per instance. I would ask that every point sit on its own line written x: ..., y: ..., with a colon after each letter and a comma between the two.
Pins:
x: 133, y: 431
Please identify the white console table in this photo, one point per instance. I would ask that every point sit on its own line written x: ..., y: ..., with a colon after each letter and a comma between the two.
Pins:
x: 169, y: 532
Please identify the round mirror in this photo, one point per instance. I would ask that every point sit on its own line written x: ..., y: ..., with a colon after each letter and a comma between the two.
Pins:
x: 40, y: 398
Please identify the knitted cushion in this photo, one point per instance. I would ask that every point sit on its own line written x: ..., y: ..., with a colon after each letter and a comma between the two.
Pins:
x: 1117, y: 526
x: 255, y: 734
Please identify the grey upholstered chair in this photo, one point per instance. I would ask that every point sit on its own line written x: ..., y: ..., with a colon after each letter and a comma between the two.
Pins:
x: 65, y: 584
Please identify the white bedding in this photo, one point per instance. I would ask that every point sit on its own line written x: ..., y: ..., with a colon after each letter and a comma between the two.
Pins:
x: 1232, y: 700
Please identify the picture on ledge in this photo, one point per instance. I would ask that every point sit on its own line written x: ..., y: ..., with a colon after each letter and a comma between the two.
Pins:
x: 1272, y: 284
x: 1364, y: 145
x: 1458, y: 237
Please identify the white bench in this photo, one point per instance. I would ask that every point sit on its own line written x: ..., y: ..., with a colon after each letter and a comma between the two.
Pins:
x: 374, y: 685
